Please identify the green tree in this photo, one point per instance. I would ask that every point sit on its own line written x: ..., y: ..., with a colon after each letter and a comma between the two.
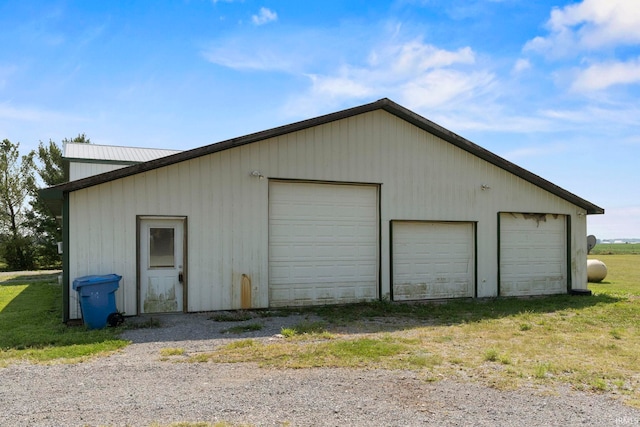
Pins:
x: 17, y: 183
x: 46, y: 228
x: 50, y: 168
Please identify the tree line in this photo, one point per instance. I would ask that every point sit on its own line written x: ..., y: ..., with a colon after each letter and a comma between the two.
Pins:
x: 29, y: 232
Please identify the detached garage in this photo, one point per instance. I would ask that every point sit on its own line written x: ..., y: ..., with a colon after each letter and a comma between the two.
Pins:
x: 373, y: 202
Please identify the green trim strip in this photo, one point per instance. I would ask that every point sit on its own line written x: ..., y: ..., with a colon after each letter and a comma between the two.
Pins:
x: 568, y: 267
x: 475, y: 259
x: 391, y: 260
x: 65, y: 258
x: 498, y: 257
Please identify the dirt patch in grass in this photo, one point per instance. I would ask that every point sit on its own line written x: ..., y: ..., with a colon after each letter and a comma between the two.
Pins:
x: 590, y: 343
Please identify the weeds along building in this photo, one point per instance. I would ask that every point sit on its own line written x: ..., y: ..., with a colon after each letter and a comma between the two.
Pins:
x: 373, y: 202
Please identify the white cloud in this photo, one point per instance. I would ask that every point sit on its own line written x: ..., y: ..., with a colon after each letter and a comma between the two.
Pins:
x: 591, y: 24
x: 417, y: 74
x: 414, y: 57
x: 262, y: 61
x: 272, y: 51
x: 521, y: 65
x: 262, y: 55
x: 574, y: 116
x: 600, y: 120
x: 534, y: 151
x: 28, y: 125
x: 339, y: 86
x: 264, y: 16
x: 443, y: 86
x: 9, y: 112
x: 487, y: 117
x: 413, y: 72
x: 603, y: 75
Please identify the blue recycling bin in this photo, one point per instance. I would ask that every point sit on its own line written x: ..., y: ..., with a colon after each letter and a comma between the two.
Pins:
x: 97, y: 298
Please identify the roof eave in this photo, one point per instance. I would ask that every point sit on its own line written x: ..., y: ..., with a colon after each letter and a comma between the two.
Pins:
x: 53, y: 198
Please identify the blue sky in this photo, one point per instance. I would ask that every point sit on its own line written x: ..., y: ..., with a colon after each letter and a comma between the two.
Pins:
x: 553, y: 86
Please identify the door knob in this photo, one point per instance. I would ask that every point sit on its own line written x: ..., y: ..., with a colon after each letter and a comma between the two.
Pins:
x: 180, y: 277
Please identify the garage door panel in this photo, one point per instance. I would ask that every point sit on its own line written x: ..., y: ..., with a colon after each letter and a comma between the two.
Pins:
x: 532, y: 254
x: 433, y: 260
x: 302, y: 294
x: 292, y: 231
x: 323, y: 243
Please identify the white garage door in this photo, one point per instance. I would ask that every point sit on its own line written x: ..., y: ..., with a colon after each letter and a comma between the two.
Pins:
x: 323, y: 243
x: 433, y: 260
x: 533, y: 254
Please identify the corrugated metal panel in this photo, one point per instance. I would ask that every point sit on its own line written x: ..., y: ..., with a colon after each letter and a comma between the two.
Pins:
x: 114, y: 153
x: 421, y: 178
x: 83, y: 170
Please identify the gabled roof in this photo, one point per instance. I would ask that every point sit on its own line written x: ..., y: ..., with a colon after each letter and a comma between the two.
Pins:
x: 56, y: 193
x: 112, y: 153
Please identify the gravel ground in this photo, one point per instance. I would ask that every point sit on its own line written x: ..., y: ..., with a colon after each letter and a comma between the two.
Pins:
x: 135, y: 388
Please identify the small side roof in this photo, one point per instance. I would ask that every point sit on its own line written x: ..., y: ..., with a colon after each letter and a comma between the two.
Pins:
x: 54, y: 195
x: 113, y: 153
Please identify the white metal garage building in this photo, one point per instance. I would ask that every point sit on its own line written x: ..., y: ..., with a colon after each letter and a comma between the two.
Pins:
x: 366, y: 203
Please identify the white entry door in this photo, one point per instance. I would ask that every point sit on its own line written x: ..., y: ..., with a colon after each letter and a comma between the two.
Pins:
x: 162, y: 276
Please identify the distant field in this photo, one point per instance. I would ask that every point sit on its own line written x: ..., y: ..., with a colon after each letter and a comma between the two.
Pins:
x: 616, y: 249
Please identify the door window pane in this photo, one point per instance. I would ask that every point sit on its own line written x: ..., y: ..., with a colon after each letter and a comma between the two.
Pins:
x: 161, y: 253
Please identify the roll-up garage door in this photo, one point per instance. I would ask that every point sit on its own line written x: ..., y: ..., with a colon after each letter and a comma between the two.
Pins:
x: 433, y: 260
x: 323, y: 243
x: 533, y: 254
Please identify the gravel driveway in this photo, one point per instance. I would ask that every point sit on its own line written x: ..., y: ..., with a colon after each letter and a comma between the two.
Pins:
x: 135, y: 388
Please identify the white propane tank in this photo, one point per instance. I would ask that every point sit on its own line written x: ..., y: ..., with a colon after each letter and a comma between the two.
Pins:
x: 596, y: 270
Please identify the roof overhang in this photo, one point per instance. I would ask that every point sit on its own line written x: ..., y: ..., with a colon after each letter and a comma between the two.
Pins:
x: 53, y: 198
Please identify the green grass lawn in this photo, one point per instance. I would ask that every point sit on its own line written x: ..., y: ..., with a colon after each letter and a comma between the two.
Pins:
x: 586, y: 342
x: 31, y: 327
x: 616, y: 249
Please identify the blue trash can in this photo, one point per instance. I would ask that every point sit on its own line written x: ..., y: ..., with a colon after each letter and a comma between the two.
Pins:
x: 97, y: 298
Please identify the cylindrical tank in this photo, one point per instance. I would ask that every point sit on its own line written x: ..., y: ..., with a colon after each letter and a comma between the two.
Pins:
x: 596, y: 270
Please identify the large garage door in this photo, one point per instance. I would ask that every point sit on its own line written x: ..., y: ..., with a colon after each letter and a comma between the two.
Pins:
x: 533, y: 254
x: 433, y: 260
x: 323, y: 243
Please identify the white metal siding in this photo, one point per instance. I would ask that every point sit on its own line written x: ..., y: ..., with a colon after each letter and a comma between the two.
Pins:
x: 79, y: 170
x: 432, y: 260
x: 533, y: 258
x: 323, y: 243
x: 421, y: 178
